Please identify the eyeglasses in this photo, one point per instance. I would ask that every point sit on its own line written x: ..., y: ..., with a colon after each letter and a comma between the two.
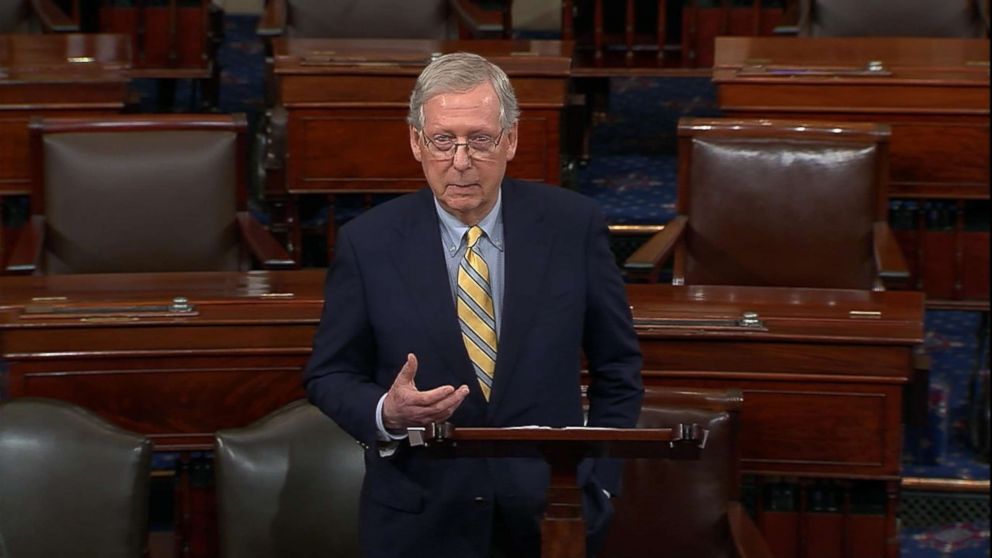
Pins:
x: 480, y: 147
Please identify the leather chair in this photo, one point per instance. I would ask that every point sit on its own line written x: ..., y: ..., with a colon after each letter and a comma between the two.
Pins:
x: 779, y: 204
x: 424, y: 19
x: 34, y: 16
x: 71, y: 484
x: 686, y: 508
x: 141, y: 193
x: 894, y: 18
x: 288, y: 487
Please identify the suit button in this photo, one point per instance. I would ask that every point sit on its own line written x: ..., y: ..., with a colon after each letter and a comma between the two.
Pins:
x: 480, y: 501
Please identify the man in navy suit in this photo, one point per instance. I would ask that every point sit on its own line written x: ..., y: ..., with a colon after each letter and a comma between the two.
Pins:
x: 396, y: 347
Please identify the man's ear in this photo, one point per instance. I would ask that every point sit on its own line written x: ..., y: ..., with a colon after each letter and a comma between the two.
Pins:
x: 511, y: 142
x: 415, y: 143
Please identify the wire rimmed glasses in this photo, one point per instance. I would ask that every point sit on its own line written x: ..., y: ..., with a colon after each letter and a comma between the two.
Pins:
x: 480, y: 147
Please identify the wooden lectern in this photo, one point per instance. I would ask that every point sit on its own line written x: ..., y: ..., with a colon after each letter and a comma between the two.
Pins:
x: 563, y: 531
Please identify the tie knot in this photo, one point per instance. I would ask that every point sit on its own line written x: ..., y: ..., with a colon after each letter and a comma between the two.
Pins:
x: 474, y: 234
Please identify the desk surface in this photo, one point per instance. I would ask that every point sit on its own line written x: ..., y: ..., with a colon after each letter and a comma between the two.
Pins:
x: 110, y: 343
x: 305, y: 286
x: 409, y: 56
x: 917, y: 58
x: 892, y: 317
x: 64, y: 58
x: 896, y: 77
x: 826, y: 315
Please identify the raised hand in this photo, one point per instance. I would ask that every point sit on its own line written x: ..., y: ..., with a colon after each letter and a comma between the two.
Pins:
x: 406, y: 406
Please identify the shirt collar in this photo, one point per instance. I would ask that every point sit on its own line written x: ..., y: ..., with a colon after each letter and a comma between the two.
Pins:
x: 453, y: 231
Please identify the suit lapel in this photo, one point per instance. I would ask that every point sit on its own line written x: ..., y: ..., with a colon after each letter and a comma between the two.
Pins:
x: 419, y: 259
x: 527, y: 249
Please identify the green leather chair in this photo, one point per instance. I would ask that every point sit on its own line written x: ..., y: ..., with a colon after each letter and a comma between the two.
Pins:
x: 288, y: 487
x: 72, y: 485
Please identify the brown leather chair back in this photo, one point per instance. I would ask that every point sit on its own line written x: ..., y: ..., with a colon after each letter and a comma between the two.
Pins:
x: 140, y: 193
x: 893, y: 18
x: 676, y: 507
x: 381, y: 19
x: 779, y: 203
x: 288, y: 487
x: 71, y: 484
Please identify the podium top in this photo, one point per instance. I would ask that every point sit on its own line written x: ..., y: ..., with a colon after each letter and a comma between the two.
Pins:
x: 681, y: 441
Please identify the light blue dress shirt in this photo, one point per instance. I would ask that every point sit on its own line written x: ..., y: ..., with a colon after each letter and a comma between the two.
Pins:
x: 489, y: 246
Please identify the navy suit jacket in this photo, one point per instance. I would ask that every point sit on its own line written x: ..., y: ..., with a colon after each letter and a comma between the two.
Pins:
x: 388, y: 294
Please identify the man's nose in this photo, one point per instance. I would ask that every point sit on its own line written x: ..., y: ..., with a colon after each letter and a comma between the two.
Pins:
x: 461, y: 160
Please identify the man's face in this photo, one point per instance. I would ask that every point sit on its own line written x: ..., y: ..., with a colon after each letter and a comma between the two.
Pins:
x: 466, y: 187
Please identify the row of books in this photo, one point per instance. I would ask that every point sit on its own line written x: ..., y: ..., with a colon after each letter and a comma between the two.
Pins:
x: 820, y: 518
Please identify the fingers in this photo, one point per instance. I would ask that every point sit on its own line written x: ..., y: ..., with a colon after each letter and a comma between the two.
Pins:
x: 432, y: 396
x: 406, y: 406
x: 442, y: 409
x: 408, y: 372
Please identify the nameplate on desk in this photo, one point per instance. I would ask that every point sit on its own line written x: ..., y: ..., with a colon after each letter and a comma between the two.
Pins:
x: 747, y: 322
x: 872, y: 70
x: 387, y: 61
x: 109, y: 313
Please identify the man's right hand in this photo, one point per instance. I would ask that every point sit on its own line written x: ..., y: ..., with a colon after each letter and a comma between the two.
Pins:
x: 406, y: 406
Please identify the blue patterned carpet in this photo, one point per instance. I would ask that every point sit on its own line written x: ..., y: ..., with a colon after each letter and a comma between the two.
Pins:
x: 942, y: 449
x: 632, y: 174
x: 632, y: 171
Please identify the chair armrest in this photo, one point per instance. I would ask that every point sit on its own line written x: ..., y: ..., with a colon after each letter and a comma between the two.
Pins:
x: 273, y: 21
x: 644, y: 265
x: 53, y: 19
x: 25, y: 256
x: 710, y: 399
x: 889, y: 260
x: 748, y: 541
x: 265, y: 249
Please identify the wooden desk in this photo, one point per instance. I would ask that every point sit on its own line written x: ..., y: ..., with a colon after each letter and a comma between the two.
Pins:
x: 820, y: 351
x: 177, y: 377
x: 63, y: 74
x: 346, y: 101
x: 928, y: 89
x: 258, y: 327
x: 822, y: 378
x: 935, y: 95
x: 823, y: 382
x: 54, y: 74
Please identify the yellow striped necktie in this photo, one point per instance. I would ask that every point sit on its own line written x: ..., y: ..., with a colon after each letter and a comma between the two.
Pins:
x: 475, y: 312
